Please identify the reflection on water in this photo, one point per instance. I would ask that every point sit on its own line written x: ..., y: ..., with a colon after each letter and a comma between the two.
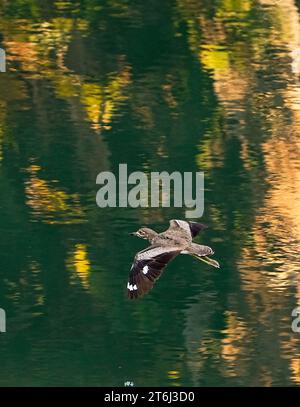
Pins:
x: 79, y: 262
x: 49, y: 203
x: 184, y: 85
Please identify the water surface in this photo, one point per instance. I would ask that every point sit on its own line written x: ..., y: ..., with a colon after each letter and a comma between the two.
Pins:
x: 180, y: 85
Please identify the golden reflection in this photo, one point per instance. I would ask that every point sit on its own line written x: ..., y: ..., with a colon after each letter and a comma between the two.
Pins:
x: 79, y: 262
x: 24, y: 52
x: 234, y: 64
x: 295, y: 368
x: 100, y: 101
x: 269, y: 262
x: 66, y: 5
x: 48, y: 203
x: 214, y: 57
x: 31, y: 46
x: 31, y: 49
x: 272, y: 265
x: 234, y: 69
x: 227, y: 61
x: 173, y: 374
x: 233, y: 344
x: 66, y: 85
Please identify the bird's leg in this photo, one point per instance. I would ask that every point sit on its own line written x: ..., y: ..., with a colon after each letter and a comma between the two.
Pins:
x: 209, y: 261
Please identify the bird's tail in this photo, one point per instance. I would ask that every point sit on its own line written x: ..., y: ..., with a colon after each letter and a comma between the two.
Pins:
x: 201, y: 252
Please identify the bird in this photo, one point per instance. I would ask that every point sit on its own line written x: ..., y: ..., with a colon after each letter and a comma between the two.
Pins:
x: 149, y: 263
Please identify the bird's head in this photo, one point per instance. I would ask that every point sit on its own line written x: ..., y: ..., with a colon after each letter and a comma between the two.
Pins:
x: 144, y: 233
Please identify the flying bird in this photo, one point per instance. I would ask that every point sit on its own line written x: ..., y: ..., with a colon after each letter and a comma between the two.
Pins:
x: 149, y: 263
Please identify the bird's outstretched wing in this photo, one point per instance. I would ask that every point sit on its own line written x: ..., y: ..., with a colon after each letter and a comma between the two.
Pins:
x: 193, y: 228
x: 147, y: 268
x: 196, y: 228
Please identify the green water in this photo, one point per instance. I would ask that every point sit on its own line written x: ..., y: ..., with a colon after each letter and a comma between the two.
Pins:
x: 180, y: 85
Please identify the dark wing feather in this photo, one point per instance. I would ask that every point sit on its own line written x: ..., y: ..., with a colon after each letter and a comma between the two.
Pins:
x: 196, y: 228
x: 147, y: 268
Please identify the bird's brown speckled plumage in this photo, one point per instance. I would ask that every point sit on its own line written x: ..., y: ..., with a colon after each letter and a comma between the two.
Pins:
x: 150, y: 262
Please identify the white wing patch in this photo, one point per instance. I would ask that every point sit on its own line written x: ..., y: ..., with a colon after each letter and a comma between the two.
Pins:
x: 145, y: 269
x: 132, y: 287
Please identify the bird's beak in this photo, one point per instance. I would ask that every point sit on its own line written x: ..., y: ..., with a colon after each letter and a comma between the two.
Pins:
x: 132, y: 233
